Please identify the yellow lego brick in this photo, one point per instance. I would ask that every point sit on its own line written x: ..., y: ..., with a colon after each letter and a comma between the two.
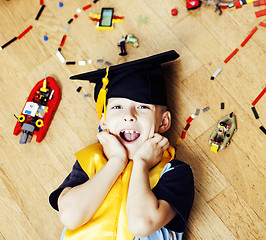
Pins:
x: 178, y: 142
x: 214, y: 148
x: 250, y: 1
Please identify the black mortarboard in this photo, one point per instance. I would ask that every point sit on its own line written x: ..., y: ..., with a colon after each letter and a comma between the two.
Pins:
x: 140, y: 80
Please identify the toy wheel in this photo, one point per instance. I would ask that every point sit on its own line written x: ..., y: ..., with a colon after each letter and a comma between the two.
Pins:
x: 39, y: 123
x: 21, y: 118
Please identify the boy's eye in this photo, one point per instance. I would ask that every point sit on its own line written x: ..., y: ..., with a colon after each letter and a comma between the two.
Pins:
x: 116, y: 107
x: 143, y: 107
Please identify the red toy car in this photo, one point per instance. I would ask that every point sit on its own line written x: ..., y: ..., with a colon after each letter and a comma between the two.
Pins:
x: 38, y: 111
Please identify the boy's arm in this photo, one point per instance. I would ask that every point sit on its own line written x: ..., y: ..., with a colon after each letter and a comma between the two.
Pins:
x: 78, y: 205
x: 146, y: 213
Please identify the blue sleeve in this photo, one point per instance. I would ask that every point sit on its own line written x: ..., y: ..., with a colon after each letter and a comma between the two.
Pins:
x: 75, y: 178
x: 176, y: 186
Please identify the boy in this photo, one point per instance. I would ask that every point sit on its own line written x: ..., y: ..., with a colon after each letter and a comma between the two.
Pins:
x: 128, y: 186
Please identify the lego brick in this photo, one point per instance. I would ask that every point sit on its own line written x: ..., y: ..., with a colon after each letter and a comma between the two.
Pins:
x: 9, y: 42
x: 216, y: 73
x: 197, y: 112
x: 60, y: 56
x: 255, y: 112
x: 63, y: 40
x: 178, y: 142
x: 25, y: 32
x: 70, y: 21
x: 206, y: 109
x: 86, y: 7
x: 263, y: 129
x: 70, y: 63
x: 40, y: 12
x: 187, y: 126
x: 258, y: 97
x: 238, y: 4
x: 249, y: 36
x: 262, y: 24
x: 183, y: 135
x: 260, y: 13
x: 231, y: 55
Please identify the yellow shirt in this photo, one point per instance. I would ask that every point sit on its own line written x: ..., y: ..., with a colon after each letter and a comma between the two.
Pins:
x: 110, y: 220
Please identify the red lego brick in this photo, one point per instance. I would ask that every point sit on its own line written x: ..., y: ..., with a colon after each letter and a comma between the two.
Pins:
x: 260, y: 13
x: 249, y: 36
x: 231, y: 55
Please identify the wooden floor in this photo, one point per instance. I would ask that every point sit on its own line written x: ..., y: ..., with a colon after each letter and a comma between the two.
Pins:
x: 229, y: 185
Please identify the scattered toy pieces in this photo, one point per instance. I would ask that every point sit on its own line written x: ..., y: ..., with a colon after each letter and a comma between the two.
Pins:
x: 222, y: 105
x: 25, y: 32
x: 45, y: 38
x: 206, y: 109
x: 216, y: 73
x: 184, y: 131
x: 255, y: 112
x: 190, y: 119
x: 86, y: 7
x: 197, y: 112
x: 249, y: 36
x: 263, y: 129
x: 9, y: 42
x: 231, y: 55
x: 60, y: 56
x: 260, y: 13
x: 79, y: 89
x: 63, y: 41
x: 174, y: 12
x: 258, y: 97
x: 40, y: 12
x: 70, y: 63
x: 60, y: 4
x: 262, y: 24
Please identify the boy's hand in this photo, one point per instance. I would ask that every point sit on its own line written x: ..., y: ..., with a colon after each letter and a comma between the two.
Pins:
x: 112, y: 148
x: 151, y: 152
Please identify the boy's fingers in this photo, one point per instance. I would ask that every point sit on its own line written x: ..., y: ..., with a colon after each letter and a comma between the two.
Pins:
x: 157, y: 138
x: 164, y: 143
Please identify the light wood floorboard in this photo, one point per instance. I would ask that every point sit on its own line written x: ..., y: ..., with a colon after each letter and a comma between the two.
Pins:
x: 229, y: 185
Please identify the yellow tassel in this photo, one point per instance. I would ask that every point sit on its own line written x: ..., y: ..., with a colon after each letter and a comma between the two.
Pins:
x: 101, y: 100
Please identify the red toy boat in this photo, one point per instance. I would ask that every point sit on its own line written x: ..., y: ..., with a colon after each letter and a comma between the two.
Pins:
x: 38, y: 111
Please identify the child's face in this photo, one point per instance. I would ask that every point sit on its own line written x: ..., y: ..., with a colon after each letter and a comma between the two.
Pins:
x: 132, y: 122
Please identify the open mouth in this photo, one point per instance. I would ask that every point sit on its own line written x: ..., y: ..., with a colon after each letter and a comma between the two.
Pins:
x: 129, y: 135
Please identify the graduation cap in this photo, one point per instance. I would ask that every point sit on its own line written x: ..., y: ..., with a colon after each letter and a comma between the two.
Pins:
x: 139, y: 80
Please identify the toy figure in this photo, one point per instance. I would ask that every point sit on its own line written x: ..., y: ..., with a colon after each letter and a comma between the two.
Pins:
x: 129, y: 185
x: 223, y: 132
x: 218, y: 4
x: 122, y: 46
x: 130, y: 39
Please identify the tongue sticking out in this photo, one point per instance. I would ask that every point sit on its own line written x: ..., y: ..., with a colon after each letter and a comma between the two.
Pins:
x: 129, y: 136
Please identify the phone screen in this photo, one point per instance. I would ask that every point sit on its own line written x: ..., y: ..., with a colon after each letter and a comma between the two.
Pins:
x: 106, y: 17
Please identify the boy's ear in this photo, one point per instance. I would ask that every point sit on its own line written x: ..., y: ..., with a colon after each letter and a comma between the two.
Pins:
x: 166, y: 122
x: 102, y: 122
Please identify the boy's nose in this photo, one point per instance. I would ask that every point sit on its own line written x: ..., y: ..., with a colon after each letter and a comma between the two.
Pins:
x: 129, y: 116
